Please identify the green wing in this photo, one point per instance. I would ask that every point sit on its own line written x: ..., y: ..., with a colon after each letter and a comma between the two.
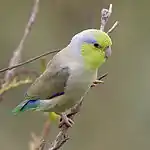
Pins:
x: 50, y: 84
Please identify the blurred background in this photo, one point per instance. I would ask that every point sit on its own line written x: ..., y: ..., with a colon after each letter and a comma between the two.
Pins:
x: 115, y: 115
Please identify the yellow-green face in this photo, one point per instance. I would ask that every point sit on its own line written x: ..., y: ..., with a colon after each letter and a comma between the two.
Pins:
x: 96, y: 48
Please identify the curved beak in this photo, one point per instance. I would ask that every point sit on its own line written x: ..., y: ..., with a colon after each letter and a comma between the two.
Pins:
x: 108, y: 52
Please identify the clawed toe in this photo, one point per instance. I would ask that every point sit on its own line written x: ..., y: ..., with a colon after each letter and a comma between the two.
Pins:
x: 65, y: 120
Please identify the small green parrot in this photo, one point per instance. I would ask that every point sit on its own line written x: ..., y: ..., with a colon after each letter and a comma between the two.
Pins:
x: 68, y: 75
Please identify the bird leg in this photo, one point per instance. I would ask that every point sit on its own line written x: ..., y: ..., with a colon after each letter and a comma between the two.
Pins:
x: 65, y: 120
x: 96, y: 82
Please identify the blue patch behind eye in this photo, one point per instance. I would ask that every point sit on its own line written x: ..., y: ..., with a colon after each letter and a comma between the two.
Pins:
x: 89, y: 40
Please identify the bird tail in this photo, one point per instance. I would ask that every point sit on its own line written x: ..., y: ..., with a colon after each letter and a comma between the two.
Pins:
x: 26, y: 106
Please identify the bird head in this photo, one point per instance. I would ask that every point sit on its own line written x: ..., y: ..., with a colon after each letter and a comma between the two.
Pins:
x: 94, y: 46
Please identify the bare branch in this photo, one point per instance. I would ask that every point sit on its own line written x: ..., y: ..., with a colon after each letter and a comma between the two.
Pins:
x: 28, y: 61
x: 105, y: 14
x: 38, y: 142
x: 113, y: 27
x: 16, y: 58
x: 14, y: 84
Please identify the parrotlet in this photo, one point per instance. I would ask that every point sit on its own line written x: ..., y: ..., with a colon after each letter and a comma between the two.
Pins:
x: 68, y: 75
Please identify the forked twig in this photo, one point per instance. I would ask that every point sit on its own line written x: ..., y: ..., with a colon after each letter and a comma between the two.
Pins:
x: 105, y: 14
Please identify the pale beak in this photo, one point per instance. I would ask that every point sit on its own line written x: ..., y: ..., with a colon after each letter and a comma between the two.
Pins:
x: 108, y: 52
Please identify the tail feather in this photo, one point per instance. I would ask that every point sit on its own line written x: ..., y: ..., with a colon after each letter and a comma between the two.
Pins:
x: 26, y: 106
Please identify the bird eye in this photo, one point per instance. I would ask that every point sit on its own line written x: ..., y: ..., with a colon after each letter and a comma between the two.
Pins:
x: 97, y: 45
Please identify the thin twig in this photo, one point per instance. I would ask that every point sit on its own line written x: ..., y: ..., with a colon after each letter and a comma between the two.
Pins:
x: 46, y: 128
x: 103, y: 76
x: 105, y: 14
x: 38, y: 142
x: 14, y: 84
x: 29, y: 60
x: 16, y: 58
x: 113, y: 27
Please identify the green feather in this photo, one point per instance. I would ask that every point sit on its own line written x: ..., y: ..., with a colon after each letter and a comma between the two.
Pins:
x: 30, y: 103
x: 95, y: 57
x: 92, y: 58
x: 18, y: 109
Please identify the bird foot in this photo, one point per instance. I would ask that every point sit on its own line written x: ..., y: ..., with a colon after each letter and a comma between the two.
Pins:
x: 96, y: 82
x: 65, y: 120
